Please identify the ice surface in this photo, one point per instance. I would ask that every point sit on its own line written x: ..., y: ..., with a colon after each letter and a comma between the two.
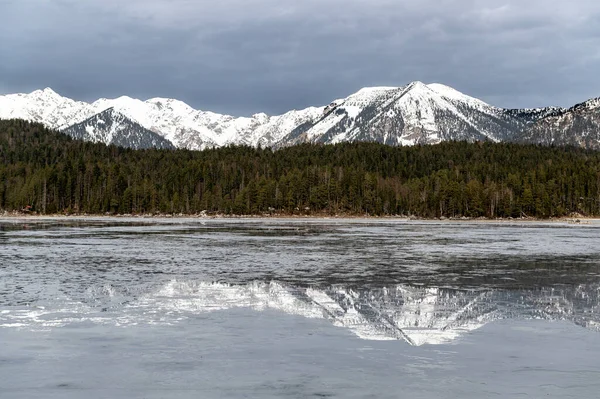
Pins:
x: 423, y: 283
x: 180, y: 308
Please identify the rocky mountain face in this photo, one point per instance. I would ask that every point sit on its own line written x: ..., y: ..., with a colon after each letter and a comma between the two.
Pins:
x: 112, y: 127
x: 577, y: 126
x: 413, y: 114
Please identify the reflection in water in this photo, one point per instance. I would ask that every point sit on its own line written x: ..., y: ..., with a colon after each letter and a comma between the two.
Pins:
x: 421, y: 282
x: 416, y: 315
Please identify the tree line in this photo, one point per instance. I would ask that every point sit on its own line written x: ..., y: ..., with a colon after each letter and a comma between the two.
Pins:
x: 52, y: 173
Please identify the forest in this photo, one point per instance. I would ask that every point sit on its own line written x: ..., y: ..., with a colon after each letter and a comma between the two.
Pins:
x: 47, y: 172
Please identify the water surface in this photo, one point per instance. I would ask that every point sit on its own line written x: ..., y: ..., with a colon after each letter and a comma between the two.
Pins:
x: 154, y: 308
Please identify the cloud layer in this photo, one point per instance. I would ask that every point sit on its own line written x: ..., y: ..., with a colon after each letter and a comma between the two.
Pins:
x: 246, y: 56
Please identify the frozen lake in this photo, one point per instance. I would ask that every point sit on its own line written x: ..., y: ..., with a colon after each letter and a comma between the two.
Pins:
x: 187, y: 308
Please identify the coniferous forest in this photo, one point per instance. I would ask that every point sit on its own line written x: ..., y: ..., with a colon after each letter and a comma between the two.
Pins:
x: 52, y: 173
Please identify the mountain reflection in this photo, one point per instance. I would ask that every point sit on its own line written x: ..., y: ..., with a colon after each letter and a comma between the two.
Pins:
x: 416, y: 315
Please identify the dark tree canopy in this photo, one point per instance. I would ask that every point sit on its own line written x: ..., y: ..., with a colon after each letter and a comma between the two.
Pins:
x: 52, y: 173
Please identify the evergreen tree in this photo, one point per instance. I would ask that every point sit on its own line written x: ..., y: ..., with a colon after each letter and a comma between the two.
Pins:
x: 51, y: 172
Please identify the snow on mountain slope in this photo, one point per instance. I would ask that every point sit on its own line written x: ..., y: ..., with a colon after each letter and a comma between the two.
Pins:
x: 184, y: 126
x: 279, y: 126
x: 45, y: 106
x: 416, y: 113
x: 413, y: 114
x: 112, y: 127
x: 193, y: 129
x: 451, y: 94
x: 174, y: 120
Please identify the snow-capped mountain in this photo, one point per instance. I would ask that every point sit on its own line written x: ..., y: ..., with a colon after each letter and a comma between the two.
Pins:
x: 112, y: 127
x: 408, y: 115
x: 577, y: 126
x: 44, y: 106
x: 174, y: 120
x: 413, y: 114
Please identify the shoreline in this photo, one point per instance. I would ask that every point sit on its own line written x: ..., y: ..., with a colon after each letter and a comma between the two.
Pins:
x: 578, y: 220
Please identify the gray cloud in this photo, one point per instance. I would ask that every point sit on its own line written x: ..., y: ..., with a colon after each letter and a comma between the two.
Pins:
x: 246, y: 56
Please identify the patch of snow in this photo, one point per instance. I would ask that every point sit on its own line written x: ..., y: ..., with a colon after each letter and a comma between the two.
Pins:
x: 90, y: 130
x: 353, y: 111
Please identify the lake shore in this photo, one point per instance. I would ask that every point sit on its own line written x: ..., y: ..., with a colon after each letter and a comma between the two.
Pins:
x: 575, y: 219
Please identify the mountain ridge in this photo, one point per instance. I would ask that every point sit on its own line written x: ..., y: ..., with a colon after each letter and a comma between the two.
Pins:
x: 576, y: 126
x: 416, y: 113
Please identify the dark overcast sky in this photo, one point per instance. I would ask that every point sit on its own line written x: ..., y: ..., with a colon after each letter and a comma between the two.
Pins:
x: 246, y: 56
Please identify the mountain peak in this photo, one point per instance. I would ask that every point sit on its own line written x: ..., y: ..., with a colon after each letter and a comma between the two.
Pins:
x: 419, y: 89
x: 47, y: 92
x: 170, y: 105
x: 417, y: 84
